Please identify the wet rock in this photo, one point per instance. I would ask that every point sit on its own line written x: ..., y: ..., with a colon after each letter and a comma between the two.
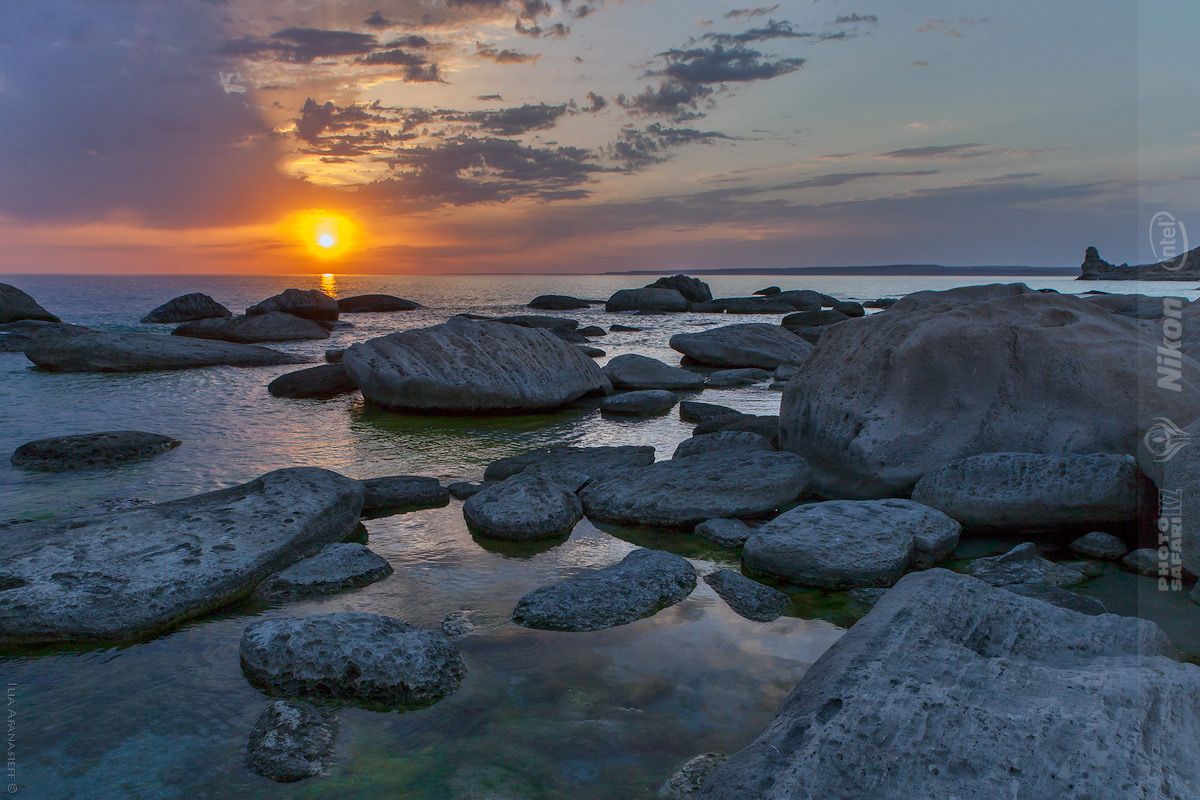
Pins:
x: 695, y: 411
x: 725, y: 532
x: 1023, y: 564
x: 309, y: 304
x: 16, y: 305
x: 632, y: 371
x: 354, y: 656
x: 1059, y: 597
x: 810, y: 324
x: 1144, y: 561
x: 849, y: 308
x: 72, y: 349
x: 276, y: 326
x: 291, y: 741
x: 522, y: 508
x: 457, y: 623
x: 461, y: 490
x: 187, y: 308
x: 540, y: 321
x: 403, y: 491
x: 693, y: 289
x: 721, y: 441
x: 375, y: 303
x: 89, y: 450
x: 334, y: 355
x: 128, y: 574
x: 687, y: 780
x: 594, y: 462
x: 646, y: 300
x: 748, y: 598
x: 624, y: 329
x: 557, y: 302
x: 765, y: 426
x: 567, y: 335
x: 327, y: 380
x: 768, y: 291
x: 881, y: 302
x: 731, y: 378
x: 591, y: 352
x: 647, y: 402
x: 1099, y: 545
x: 842, y: 544
x: 337, y: 568
x: 592, y: 330
x: 463, y: 365
x: 686, y: 491
x: 744, y: 345
x: 16, y: 336
x: 642, y: 584
x: 785, y: 372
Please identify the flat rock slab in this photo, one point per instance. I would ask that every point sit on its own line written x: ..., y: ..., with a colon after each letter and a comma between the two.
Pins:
x: 632, y: 371
x: 404, y: 491
x: 843, y: 544
x: 748, y: 598
x: 291, y: 741
x: 187, y: 308
x: 355, y: 656
x: 524, y: 507
x: 642, y: 584
x: 746, y: 345
x: 132, y: 573
x: 375, y: 303
x: 15, y: 336
x: 1099, y: 545
x: 276, y: 326
x: 1023, y: 565
x: 308, y: 303
x: 595, y: 462
x: 725, y: 532
x: 16, y: 305
x: 720, y: 441
x: 645, y: 403
x: 950, y: 688
x: 88, y: 450
x: 686, y: 491
x: 327, y: 380
x: 337, y: 568
x: 73, y: 349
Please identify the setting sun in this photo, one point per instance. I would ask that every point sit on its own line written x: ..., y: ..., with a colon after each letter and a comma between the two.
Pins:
x: 324, y: 234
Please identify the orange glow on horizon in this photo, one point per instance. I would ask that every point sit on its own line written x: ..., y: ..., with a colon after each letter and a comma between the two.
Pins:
x: 325, y: 235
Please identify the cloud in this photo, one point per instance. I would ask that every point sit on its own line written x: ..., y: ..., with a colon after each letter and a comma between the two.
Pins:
x: 594, y: 103
x: 857, y: 19
x: 951, y: 27
x: 377, y: 20
x: 956, y: 152
x: 503, y: 56
x: 718, y: 64
x: 750, y: 12
x: 678, y: 101
x: 920, y: 62
x: 637, y: 148
x: 772, y: 30
x: 302, y: 45
x: 517, y: 120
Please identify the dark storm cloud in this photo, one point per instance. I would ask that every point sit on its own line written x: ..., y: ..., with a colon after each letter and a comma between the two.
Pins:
x: 750, y: 12
x: 302, y: 45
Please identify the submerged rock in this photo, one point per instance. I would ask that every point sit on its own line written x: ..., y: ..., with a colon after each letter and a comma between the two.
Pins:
x: 355, y: 656
x: 523, y: 508
x: 647, y: 402
x: 642, y: 584
x: 403, y: 491
x: 375, y: 303
x: 632, y: 371
x: 693, y: 289
x: 88, y: 450
x: 721, y: 441
x: 327, y: 380
x: 646, y: 300
x: 337, y: 568
x: 745, y: 345
x: 557, y: 302
x: 128, y: 574
x: 687, y: 780
x: 15, y: 306
x: 309, y: 304
x: 725, y: 532
x: 276, y: 326
x: 748, y: 598
x: 72, y: 349
x: 1099, y: 545
x: 594, y: 462
x: 187, y: 308
x: 1023, y: 565
x: 457, y: 623
x: 291, y: 741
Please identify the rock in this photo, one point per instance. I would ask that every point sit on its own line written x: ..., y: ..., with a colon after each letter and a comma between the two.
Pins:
x: 457, y: 623
x: 849, y: 308
x: 693, y: 289
x: 748, y: 598
x: 785, y: 372
x: 730, y: 378
x: 842, y: 544
x: 1137, y: 306
x: 403, y: 491
x: 1144, y: 561
x: 868, y: 596
x: 125, y: 575
x: 89, y: 450
x: 642, y: 584
x: 744, y: 305
x: 632, y: 371
x: 187, y: 308
x: 539, y: 321
x: 683, y: 492
x: 1030, y: 492
x: 354, y: 656
x: 855, y: 411
x: 725, y: 532
x: 744, y: 345
x: 557, y: 302
x: 623, y: 329
x: 1023, y: 564
x: 468, y: 366
x: 375, y: 303
x: 811, y: 324
x: 1194, y: 594
x: 522, y: 508
x: 337, y: 568
x: 334, y: 356
x: 461, y: 490
x: 695, y: 411
x: 1175, y: 452
x: 16, y: 336
x: 594, y: 462
x: 765, y: 426
x: 949, y: 688
x: 687, y: 780
x: 72, y: 349
x: 768, y: 291
x: 646, y: 300
x: 592, y: 330
x: 722, y: 441
x: 276, y: 326
x: 591, y: 352
x: 290, y: 742
x: 309, y: 304
x: 645, y: 403
x: 15, y: 306
x: 882, y: 302
x: 1099, y: 545
x: 327, y: 380
x: 1059, y: 597
x: 567, y: 335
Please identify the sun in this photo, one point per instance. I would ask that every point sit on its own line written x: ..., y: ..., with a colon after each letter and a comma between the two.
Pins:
x: 325, y: 235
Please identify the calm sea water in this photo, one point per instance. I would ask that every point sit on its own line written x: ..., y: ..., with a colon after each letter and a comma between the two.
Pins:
x: 541, y: 715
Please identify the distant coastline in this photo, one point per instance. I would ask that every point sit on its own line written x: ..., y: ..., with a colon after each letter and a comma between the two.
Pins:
x: 882, y: 269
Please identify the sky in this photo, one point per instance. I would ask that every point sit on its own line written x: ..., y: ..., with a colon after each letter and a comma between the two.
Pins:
x: 563, y: 136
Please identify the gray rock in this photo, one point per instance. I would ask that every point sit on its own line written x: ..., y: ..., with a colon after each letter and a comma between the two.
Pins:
x: 768, y: 291
x: 643, y: 403
x: 802, y: 320
x: 624, y: 328
x: 327, y: 380
x: 731, y: 378
x: 642, y: 584
x: 539, y: 321
x: 785, y: 372
x: 403, y: 491
x: 187, y: 308
x: 949, y: 688
x: 748, y: 598
x: 721, y: 441
x: 557, y: 302
x: 592, y: 330
x: 595, y: 462
x: 337, y: 568
x: 695, y: 411
x: 1099, y: 545
x: 354, y: 656
x: 309, y: 304
x: 849, y: 308
x: 687, y: 780
x: 725, y: 532
x: 1059, y: 597
x: 276, y: 326
x: 291, y: 741
x: 632, y: 371
x: 745, y: 345
x: 88, y: 450
x: 1023, y: 564
x: 71, y: 349
x: 461, y: 490
x: 1194, y: 594
x: 15, y: 336
x: 1029, y: 492
x: 375, y: 303
x: 646, y: 300
x: 591, y: 352
x: 15, y: 306
x: 128, y: 574
x: 334, y: 355
x: 765, y: 426
x: 683, y: 492
x: 522, y: 508
x: 468, y: 366
x: 1144, y: 561
x: 842, y: 544
x: 1091, y: 569
x: 693, y: 289
x: 457, y: 623
x: 868, y: 596
x: 745, y: 305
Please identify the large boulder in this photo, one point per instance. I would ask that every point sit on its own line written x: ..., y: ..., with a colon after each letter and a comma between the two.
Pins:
x: 693, y: 289
x: 644, y: 403
x: 291, y: 741
x: 409, y: 492
x: 327, y: 380
x: 309, y: 304
x: 375, y: 303
x: 523, y: 508
x: 646, y: 300
x: 557, y: 302
x: 1031, y: 492
x: 87, y: 450
x: 593, y: 462
x: 844, y: 544
x: 632, y: 371
x: 642, y: 584
x: 337, y: 568
x: 941, y: 376
x: 15, y: 305
x: 276, y: 326
x: 124, y: 575
x: 683, y: 492
x: 187, y: 308
x: 72, y: 349
x: 465, y: 365
x: 746, y: 345
x: 750, y: 599
x: 950, y: 688
x: 1100, y: 546
x: 16, y: 336
x: 354, y: 656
